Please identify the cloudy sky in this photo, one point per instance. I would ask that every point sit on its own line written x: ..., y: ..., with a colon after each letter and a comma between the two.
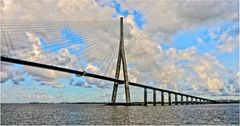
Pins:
x: 189, y: 46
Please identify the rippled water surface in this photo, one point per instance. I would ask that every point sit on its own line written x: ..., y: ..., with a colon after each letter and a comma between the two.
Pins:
x: 100, y: 114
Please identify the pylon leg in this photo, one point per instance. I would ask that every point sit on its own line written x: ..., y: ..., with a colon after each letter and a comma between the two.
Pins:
x: 121, y: 58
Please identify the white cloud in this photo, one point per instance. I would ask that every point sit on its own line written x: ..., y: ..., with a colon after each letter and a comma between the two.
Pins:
x: 200, y: 41
x: 210, y: 72
x: 54, y: 10
x: 34, y: 52
x: 93, y: 69
x: 198, y: 73
x: 5, y: 72
x: 36, y: 46
x: 225, y: 39
x: 46, y: 77
x: 228, y: 43
x: 163, y: 19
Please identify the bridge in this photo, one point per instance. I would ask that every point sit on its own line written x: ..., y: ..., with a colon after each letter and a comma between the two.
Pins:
x: 9, y: 54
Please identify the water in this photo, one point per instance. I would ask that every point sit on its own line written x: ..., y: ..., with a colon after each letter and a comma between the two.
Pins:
x: 100, y: 114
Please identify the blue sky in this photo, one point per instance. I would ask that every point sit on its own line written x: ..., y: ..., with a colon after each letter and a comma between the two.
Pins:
x: 218, y: 40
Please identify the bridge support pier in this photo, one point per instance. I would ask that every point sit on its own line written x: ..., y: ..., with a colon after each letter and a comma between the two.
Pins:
x: 186, y: 100
x: 181, y: 99
x: 162, y: 98
x: 169, y: 99
x: 154, y: 97
x: 114, y: 93
x: 145, y: 96
x: 176, y: 101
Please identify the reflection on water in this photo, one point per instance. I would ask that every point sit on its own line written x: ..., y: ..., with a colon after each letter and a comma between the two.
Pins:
x: 100, y: 114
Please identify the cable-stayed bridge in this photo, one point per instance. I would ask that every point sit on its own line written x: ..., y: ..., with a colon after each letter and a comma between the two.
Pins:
x: 94, y: 49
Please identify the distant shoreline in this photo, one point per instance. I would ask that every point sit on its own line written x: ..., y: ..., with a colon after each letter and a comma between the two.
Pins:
x: 107, y: 103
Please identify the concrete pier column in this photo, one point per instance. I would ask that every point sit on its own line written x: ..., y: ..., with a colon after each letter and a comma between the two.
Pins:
x: 154, y: 97
x: 145, y: 96
x: 169, y: 98
x: 176, y: 101
x: 181, y: 99
x: 162, y: 97
x: 191, y: 100
x: 200, y: 101
x: 186, y: 100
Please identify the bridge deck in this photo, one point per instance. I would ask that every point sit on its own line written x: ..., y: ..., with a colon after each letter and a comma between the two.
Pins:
x: 83, y: 73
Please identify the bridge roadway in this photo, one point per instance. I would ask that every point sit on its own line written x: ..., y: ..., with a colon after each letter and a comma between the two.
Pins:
x: 83, y: 73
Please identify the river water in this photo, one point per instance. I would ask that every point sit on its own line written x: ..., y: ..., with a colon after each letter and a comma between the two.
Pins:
x: 83, y: 114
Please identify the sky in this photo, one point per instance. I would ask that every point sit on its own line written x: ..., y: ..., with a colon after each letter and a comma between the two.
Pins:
x: 188, y: 46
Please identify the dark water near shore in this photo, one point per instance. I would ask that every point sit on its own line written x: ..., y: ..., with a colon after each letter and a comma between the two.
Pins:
x: 100, y: 114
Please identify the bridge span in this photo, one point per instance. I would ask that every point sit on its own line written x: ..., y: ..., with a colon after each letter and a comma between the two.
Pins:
x: 193, y: 99
x: 121, y: 61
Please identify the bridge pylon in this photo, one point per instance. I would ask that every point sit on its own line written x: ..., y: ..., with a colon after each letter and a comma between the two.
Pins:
x: 121, y: 59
